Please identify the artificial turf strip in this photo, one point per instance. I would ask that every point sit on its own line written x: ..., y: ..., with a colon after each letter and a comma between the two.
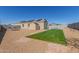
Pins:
x: 55, y: 36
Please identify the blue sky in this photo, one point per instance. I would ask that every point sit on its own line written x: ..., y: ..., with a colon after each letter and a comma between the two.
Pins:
x: 54, y: 14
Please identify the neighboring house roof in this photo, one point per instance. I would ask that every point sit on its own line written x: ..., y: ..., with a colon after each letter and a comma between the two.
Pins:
x: 54, y: 24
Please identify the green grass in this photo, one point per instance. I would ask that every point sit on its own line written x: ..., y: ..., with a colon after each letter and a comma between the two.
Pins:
x: 55, y: 36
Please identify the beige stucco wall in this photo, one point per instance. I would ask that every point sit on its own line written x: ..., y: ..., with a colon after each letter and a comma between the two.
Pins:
x: 31, y: 27
x: 57, y: 27
x: 43, y: 25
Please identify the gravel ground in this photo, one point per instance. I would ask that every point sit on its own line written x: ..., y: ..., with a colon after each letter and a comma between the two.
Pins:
x: 16, y: 41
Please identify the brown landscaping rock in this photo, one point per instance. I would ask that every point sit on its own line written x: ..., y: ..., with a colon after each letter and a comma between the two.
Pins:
x: 72, y: 36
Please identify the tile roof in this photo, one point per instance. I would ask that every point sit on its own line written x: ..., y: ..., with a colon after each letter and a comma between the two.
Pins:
x: 33, y: 20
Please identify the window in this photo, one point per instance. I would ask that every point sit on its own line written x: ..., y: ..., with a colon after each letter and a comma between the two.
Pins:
x: 28, y: 25
x: 22, y: 25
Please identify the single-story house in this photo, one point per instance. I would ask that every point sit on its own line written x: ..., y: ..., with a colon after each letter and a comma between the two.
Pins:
x: 11, y: 27
x: 74, y: 25
x: 2, y: 33
x: 2, y: 29
x: 39, y: 24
